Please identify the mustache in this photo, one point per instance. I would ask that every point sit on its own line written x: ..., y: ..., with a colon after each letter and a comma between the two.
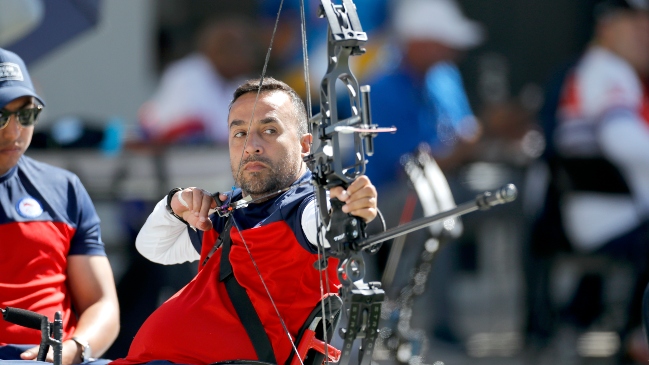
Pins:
x: 261, y: 159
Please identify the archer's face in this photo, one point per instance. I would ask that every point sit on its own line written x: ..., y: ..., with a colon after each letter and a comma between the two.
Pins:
x: 270, y: 158
x: 14, y: 138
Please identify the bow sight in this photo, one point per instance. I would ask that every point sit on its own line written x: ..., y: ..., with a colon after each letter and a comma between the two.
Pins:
x: 345, y: 39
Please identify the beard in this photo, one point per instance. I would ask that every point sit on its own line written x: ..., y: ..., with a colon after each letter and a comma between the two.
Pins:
x: 276, y: 176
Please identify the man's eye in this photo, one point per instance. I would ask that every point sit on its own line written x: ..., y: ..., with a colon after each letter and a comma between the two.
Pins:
x: 239, y: 134
x: 269, y: 131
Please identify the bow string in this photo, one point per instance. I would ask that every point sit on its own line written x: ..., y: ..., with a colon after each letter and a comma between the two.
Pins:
x: 361, y: 301
x: 343, y: 233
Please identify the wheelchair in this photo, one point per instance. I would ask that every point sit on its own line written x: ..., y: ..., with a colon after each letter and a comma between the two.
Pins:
x: 312, y: 347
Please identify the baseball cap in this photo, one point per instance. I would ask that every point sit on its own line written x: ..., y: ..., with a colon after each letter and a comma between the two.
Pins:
x: 606, y: 7
x: 14, y: 79
x: 440, y: 20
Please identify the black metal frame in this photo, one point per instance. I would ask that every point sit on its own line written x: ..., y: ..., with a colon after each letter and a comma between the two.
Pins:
x: 51, y: 332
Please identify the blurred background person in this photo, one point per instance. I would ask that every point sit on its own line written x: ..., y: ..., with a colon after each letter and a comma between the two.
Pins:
x: 599, y: 163
x: 191, y: 102
x: 421, y: 93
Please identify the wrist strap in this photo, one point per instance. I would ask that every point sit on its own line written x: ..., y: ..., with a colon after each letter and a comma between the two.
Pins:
x: 182, y: 201
x: 170, y: 196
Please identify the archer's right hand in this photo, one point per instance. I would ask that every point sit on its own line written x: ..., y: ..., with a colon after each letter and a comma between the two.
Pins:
x: 198, y: 202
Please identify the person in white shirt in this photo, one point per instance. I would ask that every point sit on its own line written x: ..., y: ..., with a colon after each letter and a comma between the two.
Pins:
x: 602, y: 147
x: 193, y: 92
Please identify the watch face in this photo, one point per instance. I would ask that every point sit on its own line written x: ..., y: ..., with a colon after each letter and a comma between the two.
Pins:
x: 86, y: 351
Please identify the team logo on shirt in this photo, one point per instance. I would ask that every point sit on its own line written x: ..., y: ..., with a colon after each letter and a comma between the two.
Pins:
x: 29, y: 207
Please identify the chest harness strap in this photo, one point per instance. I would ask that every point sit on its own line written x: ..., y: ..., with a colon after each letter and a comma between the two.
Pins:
x: 241, y: 301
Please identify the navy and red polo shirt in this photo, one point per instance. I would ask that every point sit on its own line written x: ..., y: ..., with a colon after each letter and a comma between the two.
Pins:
x: 45, y: 216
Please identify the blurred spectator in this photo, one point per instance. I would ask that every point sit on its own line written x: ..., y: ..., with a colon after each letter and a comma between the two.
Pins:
x: 421, y: 93
x: 191, y: 103
x: 604, y: 114
x: 600, y: 158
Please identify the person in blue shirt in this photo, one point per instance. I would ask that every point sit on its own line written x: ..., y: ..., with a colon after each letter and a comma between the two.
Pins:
x: 420, y: 92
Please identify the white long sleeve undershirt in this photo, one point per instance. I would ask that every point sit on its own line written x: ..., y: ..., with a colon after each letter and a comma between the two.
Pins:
x: 164, y: 239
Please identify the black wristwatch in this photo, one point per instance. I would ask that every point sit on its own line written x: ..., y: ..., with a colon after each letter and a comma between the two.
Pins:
x: 86, y: 351
x: 170, y: 196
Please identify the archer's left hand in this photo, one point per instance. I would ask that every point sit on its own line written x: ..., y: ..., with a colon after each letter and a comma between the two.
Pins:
x: 71, y: 353
x: 359, y: 198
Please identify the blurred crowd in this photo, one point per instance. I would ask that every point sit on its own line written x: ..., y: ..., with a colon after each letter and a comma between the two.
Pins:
x: 578, y: 145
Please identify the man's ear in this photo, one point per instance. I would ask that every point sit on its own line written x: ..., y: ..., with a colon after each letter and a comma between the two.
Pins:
x: 305, y: 142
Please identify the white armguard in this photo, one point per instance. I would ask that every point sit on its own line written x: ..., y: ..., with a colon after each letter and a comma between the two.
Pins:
x: 164, y: 239
x: 310, y: 221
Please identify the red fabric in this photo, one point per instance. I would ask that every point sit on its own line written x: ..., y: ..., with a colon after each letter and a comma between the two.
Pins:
x: 199, y: 325
x: 209, y: 240
x: 570, y: 102
x: 180, y: 129
x: 183, y: 129
x: 645, y: 102
x: 33, y: 276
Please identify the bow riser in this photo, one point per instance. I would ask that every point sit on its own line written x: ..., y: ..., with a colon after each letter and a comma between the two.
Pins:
x: 361, y: 301
x: 345, y: 38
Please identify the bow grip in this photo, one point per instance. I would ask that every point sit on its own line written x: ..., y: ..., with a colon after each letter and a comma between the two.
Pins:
x: 343, y: 228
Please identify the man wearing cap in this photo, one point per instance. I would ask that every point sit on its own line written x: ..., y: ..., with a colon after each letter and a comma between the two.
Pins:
x: 52, y: 257
x: 423, y: 96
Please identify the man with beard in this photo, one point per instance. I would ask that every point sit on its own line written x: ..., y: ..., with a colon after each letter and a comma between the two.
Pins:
x: 271, y: 243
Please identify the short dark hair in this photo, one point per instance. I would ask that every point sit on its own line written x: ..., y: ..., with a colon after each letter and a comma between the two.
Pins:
x: 271, y: 84
x: 604, y: 8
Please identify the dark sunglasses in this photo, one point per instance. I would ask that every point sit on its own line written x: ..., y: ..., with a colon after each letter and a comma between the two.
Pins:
x: 26, y: 117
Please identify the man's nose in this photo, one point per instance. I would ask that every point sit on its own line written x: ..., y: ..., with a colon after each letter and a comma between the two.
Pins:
x: 254, y: 144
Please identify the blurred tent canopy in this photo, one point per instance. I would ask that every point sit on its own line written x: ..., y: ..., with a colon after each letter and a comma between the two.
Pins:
x: 61, y: 21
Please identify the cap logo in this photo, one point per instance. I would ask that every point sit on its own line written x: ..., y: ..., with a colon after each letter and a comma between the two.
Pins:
x: 10, y: 71
x: 29, y: 207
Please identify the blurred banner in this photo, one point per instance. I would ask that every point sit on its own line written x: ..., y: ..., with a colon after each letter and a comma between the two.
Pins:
x: 62, y: 20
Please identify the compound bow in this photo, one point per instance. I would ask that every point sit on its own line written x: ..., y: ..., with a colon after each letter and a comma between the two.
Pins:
x: 344, y: 232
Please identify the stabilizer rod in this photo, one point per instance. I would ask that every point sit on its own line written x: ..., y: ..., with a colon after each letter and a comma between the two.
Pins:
x: 483, y: 201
